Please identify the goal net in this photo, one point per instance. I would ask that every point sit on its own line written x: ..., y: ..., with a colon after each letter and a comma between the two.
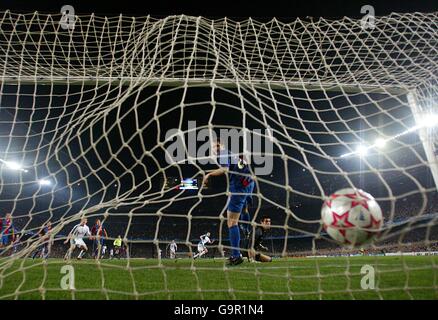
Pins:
x: 112, y: 119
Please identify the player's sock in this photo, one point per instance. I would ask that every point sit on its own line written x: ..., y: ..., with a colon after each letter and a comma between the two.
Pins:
x: 81, y: 253
x: 234, y: 235
x: 245, y: 217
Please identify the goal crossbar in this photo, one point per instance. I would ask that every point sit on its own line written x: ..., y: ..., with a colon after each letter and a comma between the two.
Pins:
x: 226, y: 83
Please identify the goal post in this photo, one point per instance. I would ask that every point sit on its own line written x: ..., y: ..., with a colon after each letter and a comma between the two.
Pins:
x: 114, y: 119
x: 427, y: 136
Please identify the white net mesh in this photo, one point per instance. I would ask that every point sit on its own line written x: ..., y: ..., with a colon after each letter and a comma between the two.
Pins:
x: 85, y: 114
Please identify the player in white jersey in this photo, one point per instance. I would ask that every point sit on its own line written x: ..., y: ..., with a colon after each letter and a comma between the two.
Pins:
x: 202, y: 249
x: 172, y: 249
x: 76, y: 237
x: 103, y: 251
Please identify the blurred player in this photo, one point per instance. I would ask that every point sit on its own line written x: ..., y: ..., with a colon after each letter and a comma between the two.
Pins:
x: 43, y: 250
x: 7, y: 231
x: 254, y: 250
x: 17, y: 242
x: 241, y: 186
x: 202, y: 249
x: 104, y: 247
x: 117, y: 246
x: 124, y: 250
x: 47, y: 244
x: 245, y: 218
x: 76, y: 237
x: 172, y: 249
x: 99, y: 235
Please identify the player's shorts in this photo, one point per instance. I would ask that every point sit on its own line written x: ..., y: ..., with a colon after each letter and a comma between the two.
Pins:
x: 100, y: 240
x: 239, y: 198
x: 79, y: 243
x: 6, y: 239
x: 201, y: 247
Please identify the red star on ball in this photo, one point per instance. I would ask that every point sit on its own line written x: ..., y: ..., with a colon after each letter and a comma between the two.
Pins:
x: 373, y: 222
x: 341, y: 222
x: 361, y: 202
x: 332, y: 197
x: 328, y: 203
x: 356, y: 195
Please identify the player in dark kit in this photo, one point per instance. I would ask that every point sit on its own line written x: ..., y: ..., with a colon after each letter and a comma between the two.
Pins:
x: 253, y: 252
x: 99, y: 235
x: 44, y: 249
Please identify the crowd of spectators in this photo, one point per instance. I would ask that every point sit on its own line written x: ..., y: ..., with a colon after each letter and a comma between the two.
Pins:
x: 411, y: 225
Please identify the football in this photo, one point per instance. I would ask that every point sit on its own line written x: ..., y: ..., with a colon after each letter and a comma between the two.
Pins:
x: 351, y: 217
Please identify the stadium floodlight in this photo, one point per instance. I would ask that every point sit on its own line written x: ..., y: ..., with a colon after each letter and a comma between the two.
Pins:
x: 380, y: 143
x: 429, y: 120
x: 362, y: 150
x: 13, y: 165
x: 44, y: 182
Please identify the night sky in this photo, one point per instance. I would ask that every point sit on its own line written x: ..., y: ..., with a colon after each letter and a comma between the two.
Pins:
x: 230, y: 8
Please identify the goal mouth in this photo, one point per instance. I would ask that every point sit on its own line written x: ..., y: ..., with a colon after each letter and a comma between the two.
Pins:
x: 149, y: 148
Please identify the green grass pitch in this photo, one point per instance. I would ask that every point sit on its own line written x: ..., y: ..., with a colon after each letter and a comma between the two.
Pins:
x: 413, y: 277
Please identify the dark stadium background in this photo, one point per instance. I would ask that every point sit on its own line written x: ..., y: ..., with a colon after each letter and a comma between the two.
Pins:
x: 144, y: 222
x: 259, y: 9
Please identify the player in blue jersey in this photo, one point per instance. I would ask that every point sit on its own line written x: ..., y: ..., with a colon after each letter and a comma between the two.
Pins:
x: 245, y: 217
x: 241, y: 186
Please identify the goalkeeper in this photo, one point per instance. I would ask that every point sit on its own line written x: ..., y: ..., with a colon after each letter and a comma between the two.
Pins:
x: 241, y: 186
x: 117, y: 246
x: 253, y: 252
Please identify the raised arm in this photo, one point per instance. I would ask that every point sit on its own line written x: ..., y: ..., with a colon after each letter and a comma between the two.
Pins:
x: 215, y: 173
x: 218, y: 171
x: 70, y: 234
